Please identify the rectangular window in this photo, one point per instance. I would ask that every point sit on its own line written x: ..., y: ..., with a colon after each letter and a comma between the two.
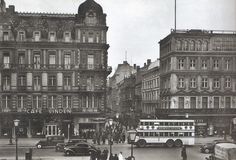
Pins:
x: 6, y: 60
x: 21, y: 59
x: 227, y: 82
x: 193, y: 102
x: 227, y: 102
x: 193, y: 83
x: 216, y: 102
x: 36, y: 101
x: 204, y: 64
x: 21, y: 101
x: 37, y: 82
x: 227, y: 64
x: 192, y: 64
x: 21, y: 80
x: 6, y: 82
x: 21, y: 35
x: 36, y: 61
x: 36, y: 36
x: 204, y: 82
x: 52, y: 101
x: 181, y: 82
x: 90, y: 84
x: 181, y: 64
x: 215, y: 64
x: 204, y: 102
x: 216, y: 83
x: 52, y: 81
x: 181, y: 102
x: 67, y: 82
x: 6, y: 101
x: 67, y: 36
x: 52, y: 36
x: 90, y: 61
x: 5, y: 36
x: 52, y: 60
x: 67, y: 101
x: 91, y: 38
x: 67, y: 61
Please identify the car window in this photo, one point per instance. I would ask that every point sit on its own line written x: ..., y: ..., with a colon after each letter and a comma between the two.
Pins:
x: 82, y: 145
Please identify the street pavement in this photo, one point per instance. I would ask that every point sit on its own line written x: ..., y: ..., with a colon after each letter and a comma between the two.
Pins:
x: 50, y: 154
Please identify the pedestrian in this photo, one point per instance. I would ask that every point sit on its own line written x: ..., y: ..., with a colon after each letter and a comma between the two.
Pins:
x: 105, y: 153
x: 93, y: 156
x: 115, y: 157
x: 184, y: 153
x: 120, y: 156
x: 98, y: 155
x: 111, y: 156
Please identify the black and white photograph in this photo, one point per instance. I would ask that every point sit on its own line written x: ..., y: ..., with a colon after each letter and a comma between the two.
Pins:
x: 117, y: 80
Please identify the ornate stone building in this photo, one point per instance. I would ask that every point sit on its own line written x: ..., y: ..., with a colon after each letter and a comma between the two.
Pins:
x: 198, y: 78
x: 53, y: 70
x: 151, y: 89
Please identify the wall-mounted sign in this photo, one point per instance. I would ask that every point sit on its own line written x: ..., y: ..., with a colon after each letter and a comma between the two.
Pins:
x: 59, y: 110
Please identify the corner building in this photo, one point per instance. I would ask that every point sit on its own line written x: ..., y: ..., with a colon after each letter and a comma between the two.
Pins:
x: 53, y: 70
x: 198, y: 78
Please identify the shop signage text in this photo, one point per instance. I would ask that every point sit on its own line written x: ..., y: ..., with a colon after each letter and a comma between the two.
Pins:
x: 60, y: 111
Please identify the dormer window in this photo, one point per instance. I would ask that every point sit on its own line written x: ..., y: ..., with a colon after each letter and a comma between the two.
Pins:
x: 90, y: 18
x: 21, y: 35
x: 52, y: 36
x: 67, y: 36
x: 36, y: 36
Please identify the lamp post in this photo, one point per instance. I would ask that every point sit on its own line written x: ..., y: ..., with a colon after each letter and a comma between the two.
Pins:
x: 132, y: 135
x: 68, y: 128
x: 16, y: 124
x: 110, y: 122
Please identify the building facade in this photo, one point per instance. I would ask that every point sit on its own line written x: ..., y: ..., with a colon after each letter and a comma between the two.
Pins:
x: 53, y: 70
x: 198, y: 78
x: 151, y: 90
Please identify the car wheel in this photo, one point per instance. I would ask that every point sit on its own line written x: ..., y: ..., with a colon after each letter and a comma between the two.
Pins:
x: 57, y: 149
x: 68, y: 153
x: 207, y: 151
x: 178, y: 143
x: 142, y: 143
x: 170, y: 143
x: 39, y: 146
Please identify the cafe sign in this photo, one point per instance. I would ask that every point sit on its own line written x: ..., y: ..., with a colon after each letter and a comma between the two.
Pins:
x: 59, y: 110
x: 50, y: 111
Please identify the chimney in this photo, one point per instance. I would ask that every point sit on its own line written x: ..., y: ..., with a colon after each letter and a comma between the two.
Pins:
x: 11, y: 9
x: 148, y: 62
x: 145, y: 64
x: 138, y: 68
x: 134, y: 66
x: 125, y: 62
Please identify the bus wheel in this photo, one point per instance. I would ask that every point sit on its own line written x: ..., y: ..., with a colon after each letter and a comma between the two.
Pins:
x: 178, y: 143
x: 141, y: 143
x: 170, y: 143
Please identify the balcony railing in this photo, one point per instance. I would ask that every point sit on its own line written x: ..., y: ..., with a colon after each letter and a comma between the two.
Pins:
x: 197, y: 111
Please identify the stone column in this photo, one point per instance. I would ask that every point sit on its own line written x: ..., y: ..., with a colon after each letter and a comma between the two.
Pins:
x: 29, y: 135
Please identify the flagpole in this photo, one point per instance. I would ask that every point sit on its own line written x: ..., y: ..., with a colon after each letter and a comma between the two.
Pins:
x: 175, y: 15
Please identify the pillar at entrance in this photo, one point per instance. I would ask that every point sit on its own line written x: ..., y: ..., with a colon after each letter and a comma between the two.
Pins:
x: 29, y: 135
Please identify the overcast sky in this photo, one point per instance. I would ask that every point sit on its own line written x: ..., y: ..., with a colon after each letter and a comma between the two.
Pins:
x: 136, y: 26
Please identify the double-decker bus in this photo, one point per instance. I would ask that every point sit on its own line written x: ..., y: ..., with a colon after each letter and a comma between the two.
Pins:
x: 163, y: 131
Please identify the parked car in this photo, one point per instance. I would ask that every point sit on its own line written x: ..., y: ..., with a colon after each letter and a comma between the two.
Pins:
x: 209, y: 147
x: 50, y: 141
x: 60, y: 146
x: 80, y: 149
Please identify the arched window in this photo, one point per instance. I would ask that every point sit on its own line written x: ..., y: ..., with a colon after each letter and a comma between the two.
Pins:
x: 192, y: 45
x: 199, y: 45
x: 185, y: 45
x: 179, y: 45
x: 205, y: 46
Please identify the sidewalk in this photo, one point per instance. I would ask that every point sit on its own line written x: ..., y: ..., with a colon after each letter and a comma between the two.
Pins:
x: 30, y: 142
x: 47, y: 158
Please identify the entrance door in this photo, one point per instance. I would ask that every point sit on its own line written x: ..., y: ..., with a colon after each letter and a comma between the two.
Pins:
x: 51, y: 130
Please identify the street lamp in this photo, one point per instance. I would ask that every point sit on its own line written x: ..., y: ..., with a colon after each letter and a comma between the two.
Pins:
x: 132, y: 135
x: 16, y: 124
x: 110, y: 122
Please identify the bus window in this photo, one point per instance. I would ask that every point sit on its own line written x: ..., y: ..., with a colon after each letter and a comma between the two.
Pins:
x: 186, y: 134
x: 141, y: 123
x: 151, y: 123
x: 191, y: 123
x: 157, y: 134
x: 165, y: 123
x: 161, y: 123
x: 151, y: 134
x: 176, y: 123
x: 146, y: 134
x: 146, y: 123
x: 161, y: 134
x: 181, y: 134
x: 172, y: 134
x: 176, y: 134
x: 166, y: 134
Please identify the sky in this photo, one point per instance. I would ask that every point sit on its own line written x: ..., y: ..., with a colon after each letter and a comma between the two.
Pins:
x: 137, y: 26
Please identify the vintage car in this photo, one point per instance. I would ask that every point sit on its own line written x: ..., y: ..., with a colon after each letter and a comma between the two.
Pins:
x: 60, y: 146
x: 80, y: 149
x: 50, y: 141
